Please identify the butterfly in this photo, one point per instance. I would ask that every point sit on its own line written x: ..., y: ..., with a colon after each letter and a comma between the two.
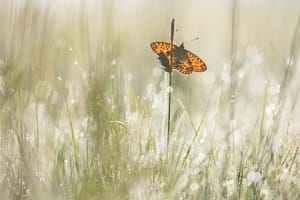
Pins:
x: 178, y: 58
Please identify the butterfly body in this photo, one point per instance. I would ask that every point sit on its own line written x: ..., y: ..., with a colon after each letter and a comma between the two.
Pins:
x: 178, y: 58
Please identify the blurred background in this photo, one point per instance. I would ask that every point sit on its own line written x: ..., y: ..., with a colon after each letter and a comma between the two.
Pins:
x: 83, y: 100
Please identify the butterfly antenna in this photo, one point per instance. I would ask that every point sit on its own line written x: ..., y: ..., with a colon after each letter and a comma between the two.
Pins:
x: 189, y: 41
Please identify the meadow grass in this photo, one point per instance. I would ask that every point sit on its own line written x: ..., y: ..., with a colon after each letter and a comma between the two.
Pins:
x: 77, y: 124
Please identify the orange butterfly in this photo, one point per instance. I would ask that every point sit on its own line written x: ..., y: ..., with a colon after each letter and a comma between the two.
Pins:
x: 174, y: 57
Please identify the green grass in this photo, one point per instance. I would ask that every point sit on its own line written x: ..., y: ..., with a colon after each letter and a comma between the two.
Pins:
x: 82, y: 117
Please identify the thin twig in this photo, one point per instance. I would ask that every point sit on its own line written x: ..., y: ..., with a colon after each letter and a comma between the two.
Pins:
x: 234, y: 24
x: 170, y: 81
x: 288, y: 75
x: 169, y: 107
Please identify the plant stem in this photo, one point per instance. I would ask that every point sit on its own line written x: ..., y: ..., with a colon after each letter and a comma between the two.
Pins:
x: 73, y: 138
x: 37, y: 142
x: 169, y: 107
x: 170, y: 81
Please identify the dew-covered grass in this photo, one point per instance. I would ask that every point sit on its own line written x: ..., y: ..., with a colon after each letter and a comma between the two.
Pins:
x: 84, y: 102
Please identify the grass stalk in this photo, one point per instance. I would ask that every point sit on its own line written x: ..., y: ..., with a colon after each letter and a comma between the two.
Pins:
x: 169, y: 108
x: 170, y: 82
x: 240, y: 175
x: 233, y: 46
x: 37, y: 125
x: 184, y: 161
x: 73, y: 138
x: 262, y: 116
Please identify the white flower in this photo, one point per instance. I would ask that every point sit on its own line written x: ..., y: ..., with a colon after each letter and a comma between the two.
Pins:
x: 204, y: 134
x: 266, y: 191
x: 194, y: 187
x: 270, y: 109
x: 229, y: 186
x: 182, y: 182
x: 253, y: 177
x: 199, y: 159
x: 284, y: 174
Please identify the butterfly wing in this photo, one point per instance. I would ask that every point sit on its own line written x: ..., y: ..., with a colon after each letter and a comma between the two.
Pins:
x: 162, y: 47
x: 197, y: 64
x: 183, y: 60
x: 184, y: 66
x: 165, y: 53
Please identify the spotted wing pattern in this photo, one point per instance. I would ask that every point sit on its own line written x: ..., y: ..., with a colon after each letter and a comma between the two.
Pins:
x: 183, y: 60
x: 185, y: 66
x: 196, y: 62
x: 166, y: 55
x: 161, y: 47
